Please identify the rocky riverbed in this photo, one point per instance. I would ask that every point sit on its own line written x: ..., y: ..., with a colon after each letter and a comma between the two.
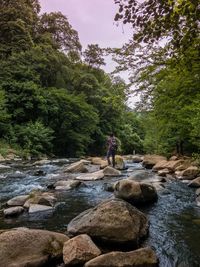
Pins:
x: 54, y: 192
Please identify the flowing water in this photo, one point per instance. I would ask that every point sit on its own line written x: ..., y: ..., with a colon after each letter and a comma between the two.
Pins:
x: 174, y: 219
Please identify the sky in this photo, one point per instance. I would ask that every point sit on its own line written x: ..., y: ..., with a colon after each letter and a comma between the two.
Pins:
x: 94, y: 21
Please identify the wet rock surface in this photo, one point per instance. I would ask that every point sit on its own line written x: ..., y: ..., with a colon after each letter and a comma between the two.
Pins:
x: 29, y: 247
x: 113, y: 221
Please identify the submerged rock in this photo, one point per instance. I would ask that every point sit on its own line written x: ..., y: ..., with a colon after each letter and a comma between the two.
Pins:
x: 79, y: 250
x: 143, y: 257
x: 27, y: 247
x: 113, y: 221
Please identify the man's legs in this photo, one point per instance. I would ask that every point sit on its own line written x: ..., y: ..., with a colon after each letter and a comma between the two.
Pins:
x: 113, y: 158
x: 108, y: 156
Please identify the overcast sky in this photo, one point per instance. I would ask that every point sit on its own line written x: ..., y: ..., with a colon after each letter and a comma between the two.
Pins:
x: 94, y: 21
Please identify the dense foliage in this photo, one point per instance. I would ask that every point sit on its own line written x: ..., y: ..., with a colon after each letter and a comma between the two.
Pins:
x: 165, y: 74
x: 52, y: 101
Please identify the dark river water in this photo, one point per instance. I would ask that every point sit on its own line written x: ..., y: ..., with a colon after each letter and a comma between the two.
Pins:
x: 174, y: 219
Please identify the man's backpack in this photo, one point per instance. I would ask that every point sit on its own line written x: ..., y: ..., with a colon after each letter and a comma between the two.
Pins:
x: 114, y: 143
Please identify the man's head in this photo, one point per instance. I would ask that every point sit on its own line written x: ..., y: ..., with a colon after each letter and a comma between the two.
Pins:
x: 112, y: 134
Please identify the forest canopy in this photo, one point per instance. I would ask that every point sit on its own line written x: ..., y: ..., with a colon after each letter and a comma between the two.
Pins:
x: 53, y: 100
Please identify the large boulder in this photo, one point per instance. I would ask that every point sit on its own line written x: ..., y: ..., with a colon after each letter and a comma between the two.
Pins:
x: 79, y: 250
x: 76, y: 167
x: 188, y: 174
x: 119, y: 163
x: 14, y: 211
x: 170, y: 165
x: 109, y: 171
x: 113, y: 221
x: 135, y: 192
x: 24, y: 247
x: 18, y: 201
x: 143, y: 257
x: 150, y: 160
x: 98, y: 175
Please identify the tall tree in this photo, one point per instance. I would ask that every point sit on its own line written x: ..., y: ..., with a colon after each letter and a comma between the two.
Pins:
x: 93, y: 56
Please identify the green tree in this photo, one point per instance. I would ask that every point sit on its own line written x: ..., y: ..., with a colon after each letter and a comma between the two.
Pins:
x: 152, y: 20
x: 93, y: 56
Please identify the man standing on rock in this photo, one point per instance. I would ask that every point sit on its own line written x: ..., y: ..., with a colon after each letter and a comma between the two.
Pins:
x: 112, y: 147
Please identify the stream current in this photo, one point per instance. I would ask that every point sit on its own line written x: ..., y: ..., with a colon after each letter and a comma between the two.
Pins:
x: 174, y: 219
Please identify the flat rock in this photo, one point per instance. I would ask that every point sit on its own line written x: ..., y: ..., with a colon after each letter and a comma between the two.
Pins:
x: 91, y: 176
x: 79, y: 250
x: 14, y: 211
x: 143, y: 257
x: 38, y: 208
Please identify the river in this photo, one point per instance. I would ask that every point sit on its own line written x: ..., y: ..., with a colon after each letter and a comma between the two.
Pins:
x: 174, y: 218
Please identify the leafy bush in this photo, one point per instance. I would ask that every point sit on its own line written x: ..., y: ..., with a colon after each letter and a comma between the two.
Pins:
x: 34, y: 138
